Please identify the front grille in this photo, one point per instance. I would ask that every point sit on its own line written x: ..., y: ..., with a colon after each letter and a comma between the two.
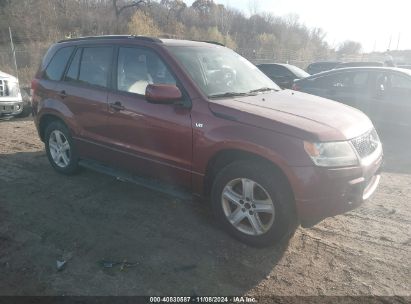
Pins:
x: 3, y: 88
x: 366, y: 144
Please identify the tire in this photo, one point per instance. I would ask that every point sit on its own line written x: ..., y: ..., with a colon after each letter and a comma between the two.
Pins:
x: 60, y: 148
x: 26, y: 111
x: 27, y: 108
x: 262, y: 216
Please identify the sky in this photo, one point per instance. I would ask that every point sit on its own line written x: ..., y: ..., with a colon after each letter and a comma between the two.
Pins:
x: 373, y: 23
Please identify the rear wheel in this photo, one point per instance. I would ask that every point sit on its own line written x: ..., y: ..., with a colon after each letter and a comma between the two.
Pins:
x: 60, y: 148
x: 253, y: 203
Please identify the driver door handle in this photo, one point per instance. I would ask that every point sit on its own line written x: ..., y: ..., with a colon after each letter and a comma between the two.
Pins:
x: 116, y: 106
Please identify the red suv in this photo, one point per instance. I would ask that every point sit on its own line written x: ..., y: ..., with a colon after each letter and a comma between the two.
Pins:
x: 191, y: 116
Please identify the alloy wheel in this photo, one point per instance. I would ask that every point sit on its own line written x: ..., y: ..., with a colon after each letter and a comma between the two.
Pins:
x: 248, y: 206
x: 59, y: 148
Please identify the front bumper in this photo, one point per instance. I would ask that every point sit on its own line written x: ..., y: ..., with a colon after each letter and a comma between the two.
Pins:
x: 11, y: 106
x: 325, y: 192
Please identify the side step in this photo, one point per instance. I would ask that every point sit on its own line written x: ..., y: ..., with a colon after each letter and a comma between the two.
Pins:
x: 149, y: 183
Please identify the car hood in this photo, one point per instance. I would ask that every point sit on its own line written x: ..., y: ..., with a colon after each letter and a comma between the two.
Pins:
x: 5, y: 75
x: 296, y: 114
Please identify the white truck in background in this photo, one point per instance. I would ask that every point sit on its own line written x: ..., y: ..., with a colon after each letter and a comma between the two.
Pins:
x: 11, y: 101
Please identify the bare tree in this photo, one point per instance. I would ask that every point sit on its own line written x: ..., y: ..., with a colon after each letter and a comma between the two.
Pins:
x: 175, y: 8
x: 349, y: 48
x: 118, y: 9
x: 259, y: 36
x: 253, y: 7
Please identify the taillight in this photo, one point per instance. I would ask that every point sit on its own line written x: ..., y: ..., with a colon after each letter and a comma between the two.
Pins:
x: 33, y: 89
x: 34, y: 85
x: 296, y: 87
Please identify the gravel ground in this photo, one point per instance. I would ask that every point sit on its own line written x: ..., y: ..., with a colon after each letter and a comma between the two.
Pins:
x: 174, y: 247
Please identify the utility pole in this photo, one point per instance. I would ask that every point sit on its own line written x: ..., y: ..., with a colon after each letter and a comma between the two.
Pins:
x: 398, y: 43
x: 13, y: 50
x: 389, y: 44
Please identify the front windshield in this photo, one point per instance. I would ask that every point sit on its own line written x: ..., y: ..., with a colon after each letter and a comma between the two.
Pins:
x: 220, y: 71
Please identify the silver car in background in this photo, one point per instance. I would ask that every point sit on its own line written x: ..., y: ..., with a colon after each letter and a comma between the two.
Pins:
x: 11, y: 101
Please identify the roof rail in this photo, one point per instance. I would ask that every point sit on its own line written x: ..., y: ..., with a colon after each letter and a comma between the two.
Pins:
x: 212, y: 42
x: 104, y: 37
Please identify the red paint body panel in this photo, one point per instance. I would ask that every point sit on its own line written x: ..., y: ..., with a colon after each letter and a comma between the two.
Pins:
x: 158, y: 136
x: 175, y: 143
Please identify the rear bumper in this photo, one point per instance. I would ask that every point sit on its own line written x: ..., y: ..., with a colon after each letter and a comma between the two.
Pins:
x: 12, y: 106
x: 323, y: 192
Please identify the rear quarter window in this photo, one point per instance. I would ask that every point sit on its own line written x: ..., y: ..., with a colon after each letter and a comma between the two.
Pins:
x: 340, y: 80
x: 55, y: 68
x: 399, y: 82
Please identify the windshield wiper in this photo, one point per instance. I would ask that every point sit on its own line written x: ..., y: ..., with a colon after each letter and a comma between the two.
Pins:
x: 265, y: 89
x: 230, y: 94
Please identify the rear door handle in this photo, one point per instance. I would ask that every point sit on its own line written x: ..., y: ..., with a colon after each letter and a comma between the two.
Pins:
x: 62, y: 94
x: 117, y: 106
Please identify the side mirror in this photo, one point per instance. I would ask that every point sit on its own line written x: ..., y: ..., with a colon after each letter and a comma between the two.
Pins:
x: 163, y: 93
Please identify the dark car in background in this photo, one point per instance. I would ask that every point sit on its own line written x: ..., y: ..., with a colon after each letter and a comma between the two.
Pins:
x: 383, y: 93
x: 282, y: 74
x: 321, y: 66
x: 359, y: 64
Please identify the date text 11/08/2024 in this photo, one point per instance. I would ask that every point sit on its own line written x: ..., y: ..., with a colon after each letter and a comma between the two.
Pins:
x: 198, y: 299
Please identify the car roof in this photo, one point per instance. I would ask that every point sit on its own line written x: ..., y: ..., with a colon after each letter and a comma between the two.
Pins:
x: 182, y: 42
x: 353, y: 62
x: 325, y: 62
x: 148, y: 39
x: 360, y: 63
x: 356, y: 69
x: 275, y: 63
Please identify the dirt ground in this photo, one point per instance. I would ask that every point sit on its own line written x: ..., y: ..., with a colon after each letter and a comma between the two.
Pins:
x: 176, y: 246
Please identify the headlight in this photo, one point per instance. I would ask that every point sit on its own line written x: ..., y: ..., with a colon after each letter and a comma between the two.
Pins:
x: 331, y: 154
x: 13, y: 88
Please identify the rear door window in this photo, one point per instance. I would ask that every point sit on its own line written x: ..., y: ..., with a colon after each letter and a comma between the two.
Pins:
x: 275, y: 71
x: 394, y: 87
x: 95, y: 66
x: 73, y: 71
x: 399, y: 82
x: 381, y: 82
x: 330, y: 81
x: 55, y: 69
x: 399, y: 89
x: 356, y: 80
x: 359, y: 80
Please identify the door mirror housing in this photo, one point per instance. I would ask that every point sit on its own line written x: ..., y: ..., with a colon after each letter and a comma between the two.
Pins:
x: 163, y: 93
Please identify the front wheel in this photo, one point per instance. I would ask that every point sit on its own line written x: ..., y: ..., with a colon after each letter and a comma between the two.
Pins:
x: 253, y: 203
x: 60, y: 148
x: 26, y: 112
